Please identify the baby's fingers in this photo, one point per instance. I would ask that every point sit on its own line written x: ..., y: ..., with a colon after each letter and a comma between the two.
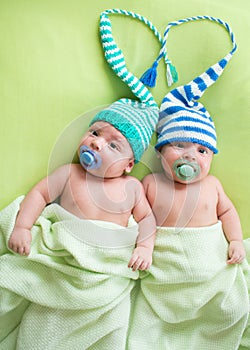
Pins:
x: 235, y: 259
x: 136, y: 265
x: 132, y: 261
x: 139, y: 264
x: 26, y: 249
x: 22, y: 249
x: 144, y: 266
x: 135, y: 262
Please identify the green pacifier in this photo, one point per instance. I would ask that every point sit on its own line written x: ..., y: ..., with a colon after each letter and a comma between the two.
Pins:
x: 186, y: 171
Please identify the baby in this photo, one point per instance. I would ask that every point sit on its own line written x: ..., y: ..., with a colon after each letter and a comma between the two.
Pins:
x: 185, y: 195
x: 98, y: 188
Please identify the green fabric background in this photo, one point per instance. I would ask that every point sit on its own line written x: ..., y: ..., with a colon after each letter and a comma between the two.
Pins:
x: 52, y: 71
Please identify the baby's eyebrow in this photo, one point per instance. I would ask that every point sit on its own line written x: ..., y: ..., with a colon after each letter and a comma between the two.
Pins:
x: 117, y: 138
x: 93, y: 127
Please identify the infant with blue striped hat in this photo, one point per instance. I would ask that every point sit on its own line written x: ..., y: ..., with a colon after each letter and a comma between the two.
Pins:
x: 185, y: 194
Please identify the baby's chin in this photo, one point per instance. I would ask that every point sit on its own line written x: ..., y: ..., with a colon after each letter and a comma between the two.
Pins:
x: 102, y: 174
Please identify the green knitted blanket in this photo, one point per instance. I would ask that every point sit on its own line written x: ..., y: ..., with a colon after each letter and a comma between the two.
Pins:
x: 73, y: 290
x: 191, y: 299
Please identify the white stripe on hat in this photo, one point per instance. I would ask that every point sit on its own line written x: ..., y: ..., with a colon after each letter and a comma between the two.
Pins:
x: 181, y: 136
x: 113, y: 55
x: 182, y: 101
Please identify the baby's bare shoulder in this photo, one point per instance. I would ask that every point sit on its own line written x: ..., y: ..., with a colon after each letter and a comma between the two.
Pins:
x: 75, y: 167
x: 131, y: 180
x: 67, y: 168
x: 212, y: 183
x: 153, y: 177
x: 64, y: 172
x: 133, y: 186
x: 153, y: 180
x: 212, y: 180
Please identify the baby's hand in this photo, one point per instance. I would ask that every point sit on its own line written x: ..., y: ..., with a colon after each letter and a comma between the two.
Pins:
x: 141, y: 259
x: 20, y: 240
x: 236, y: 252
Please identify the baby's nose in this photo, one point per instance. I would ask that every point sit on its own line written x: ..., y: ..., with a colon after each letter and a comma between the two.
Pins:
x: 98, y: 143
x: 190, y: 156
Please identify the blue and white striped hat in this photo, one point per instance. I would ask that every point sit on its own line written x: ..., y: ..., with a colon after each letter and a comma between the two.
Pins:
x: 136, y: 120
x: 182, y: 117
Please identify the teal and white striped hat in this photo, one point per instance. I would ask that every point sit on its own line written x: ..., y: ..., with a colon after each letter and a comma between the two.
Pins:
x: 182, y: 117
x: 135, y: 119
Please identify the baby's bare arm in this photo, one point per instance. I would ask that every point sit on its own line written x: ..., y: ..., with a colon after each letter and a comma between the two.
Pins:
x: 229, y: 217
x: 142, y: 256
x: 31, y: 207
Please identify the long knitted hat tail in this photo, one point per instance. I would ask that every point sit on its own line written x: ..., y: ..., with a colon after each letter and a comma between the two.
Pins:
x: 182, y: 118
x: 115, y: 58
x: 216, y: 70
x: 136, y: 120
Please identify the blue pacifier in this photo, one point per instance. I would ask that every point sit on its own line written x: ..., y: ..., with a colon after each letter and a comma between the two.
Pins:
x: 89, y: 159
x: 185, y: 170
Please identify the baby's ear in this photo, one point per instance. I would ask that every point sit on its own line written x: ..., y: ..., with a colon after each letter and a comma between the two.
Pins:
x: 158, y: 153
x: 130, y: 165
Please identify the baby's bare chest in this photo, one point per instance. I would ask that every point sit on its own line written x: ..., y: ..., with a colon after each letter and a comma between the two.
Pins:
x: 194, y: 206
x: 93, y: 199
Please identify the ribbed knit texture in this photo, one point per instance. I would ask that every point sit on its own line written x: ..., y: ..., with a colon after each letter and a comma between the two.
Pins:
x: 182, y: 117
x: 135, y: 120
x: 73, y: 290
x: 115, y: 58
x: 191, y: 299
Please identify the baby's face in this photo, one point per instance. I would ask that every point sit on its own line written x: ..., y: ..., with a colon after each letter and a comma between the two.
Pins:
x: 113, y: 148
x: 198, y: 157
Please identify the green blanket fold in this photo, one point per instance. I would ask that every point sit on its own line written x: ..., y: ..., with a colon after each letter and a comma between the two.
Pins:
x: 75, y: 290
x: 245, y: 341
x: 68, y: 283
x: 191, y: 299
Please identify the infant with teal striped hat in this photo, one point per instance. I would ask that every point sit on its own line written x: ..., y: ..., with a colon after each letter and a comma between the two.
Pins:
x: 185, y: 194
x: 99, y: 188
